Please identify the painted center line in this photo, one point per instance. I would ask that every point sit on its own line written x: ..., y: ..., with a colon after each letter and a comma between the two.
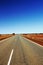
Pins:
x: 10, y: 57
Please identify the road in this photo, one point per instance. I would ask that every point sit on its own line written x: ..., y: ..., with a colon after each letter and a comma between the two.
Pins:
x: 18, y: 50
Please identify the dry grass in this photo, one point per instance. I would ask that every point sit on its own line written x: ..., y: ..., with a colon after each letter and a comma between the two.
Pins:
x: 38, y: 38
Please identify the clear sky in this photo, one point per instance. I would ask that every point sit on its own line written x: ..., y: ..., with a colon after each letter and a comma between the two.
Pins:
x: 21, y: 16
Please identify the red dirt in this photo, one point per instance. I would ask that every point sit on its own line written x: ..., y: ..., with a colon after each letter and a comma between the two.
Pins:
x: 4, y: 36
x: 38, y: 38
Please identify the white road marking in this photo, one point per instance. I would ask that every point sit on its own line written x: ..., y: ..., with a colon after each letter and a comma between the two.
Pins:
x: 10, y: 57
x: 33, y: 42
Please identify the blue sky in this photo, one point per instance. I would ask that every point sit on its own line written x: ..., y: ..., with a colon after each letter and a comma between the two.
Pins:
x: 21, y: 16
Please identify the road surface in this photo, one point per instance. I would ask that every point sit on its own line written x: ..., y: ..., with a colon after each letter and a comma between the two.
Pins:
x: 18, y: 50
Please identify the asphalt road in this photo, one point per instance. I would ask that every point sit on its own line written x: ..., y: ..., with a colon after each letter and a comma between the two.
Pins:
x: 18, y: 50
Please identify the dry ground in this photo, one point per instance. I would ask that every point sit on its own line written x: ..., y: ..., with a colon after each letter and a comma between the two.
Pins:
x: 4, y: 36
x: 38, y: 38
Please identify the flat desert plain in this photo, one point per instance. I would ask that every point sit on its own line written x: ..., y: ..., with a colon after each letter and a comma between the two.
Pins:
x: 4, y: 36
x: 38, y: 38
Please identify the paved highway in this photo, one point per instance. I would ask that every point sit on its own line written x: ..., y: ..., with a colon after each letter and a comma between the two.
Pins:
x: 18, y: 50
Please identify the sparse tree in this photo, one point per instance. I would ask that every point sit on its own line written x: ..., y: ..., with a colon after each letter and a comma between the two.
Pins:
x: 13, y: 33
x: 0, y: 34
